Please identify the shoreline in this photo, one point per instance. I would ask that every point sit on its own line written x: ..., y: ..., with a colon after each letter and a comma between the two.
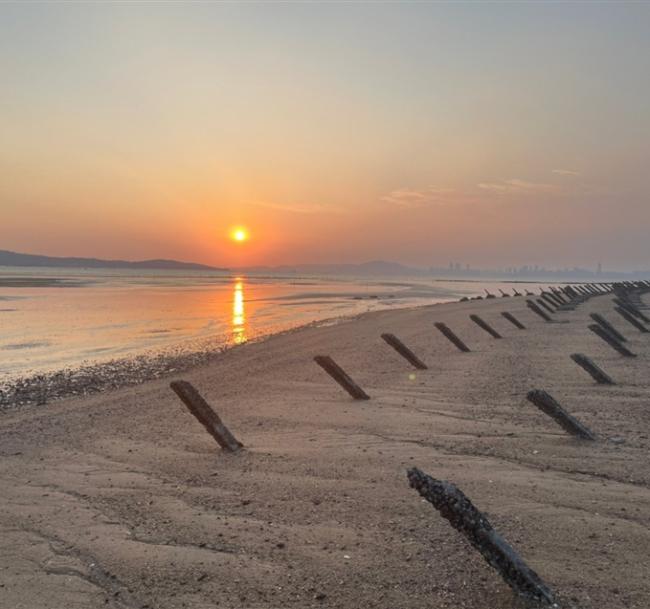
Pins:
x: 121, y: 499
x: 90, y: 379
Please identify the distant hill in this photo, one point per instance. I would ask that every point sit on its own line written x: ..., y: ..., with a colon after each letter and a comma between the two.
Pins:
x: 379, y: 268
x: 14, y: 259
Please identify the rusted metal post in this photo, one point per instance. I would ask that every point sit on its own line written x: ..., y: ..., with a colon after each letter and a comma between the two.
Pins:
x: 560, y: 296
x: 513, y: 320
x: 548, y: 299
x: 486, y: 326
x: 632, y: 320
x: 206, y: 416
x: 599, y: 319
x: 596, y: 373
x: 341, y: 377
x: 452, y: 337
x: 634, y: 309
x: 548, y: 405
x: 404, y: 351
x: 455, y: 507
x: 610, y: 340
x: 533, y: 307
x: 545, y: 305
x: 630, y: 308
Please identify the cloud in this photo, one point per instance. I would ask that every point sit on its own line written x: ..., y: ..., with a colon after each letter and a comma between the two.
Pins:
x: 566, y: 172
x: 517, y: 186
x: 410, y: 198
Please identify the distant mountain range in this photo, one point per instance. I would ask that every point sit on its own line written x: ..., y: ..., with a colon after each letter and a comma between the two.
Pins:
x: 14, y: 259
x: 374, y: 268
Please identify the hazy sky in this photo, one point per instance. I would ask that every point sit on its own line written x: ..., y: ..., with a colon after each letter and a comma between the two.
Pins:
x: 483, y: 133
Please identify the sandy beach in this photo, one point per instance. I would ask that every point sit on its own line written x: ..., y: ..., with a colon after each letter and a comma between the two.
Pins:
x: 122, y: 499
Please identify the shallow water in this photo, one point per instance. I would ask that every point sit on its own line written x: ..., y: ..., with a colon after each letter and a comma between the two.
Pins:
x: 57, y: 318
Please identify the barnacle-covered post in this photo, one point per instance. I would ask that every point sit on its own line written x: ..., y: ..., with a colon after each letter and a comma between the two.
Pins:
x: 455, y: 507
x: 549, y: 405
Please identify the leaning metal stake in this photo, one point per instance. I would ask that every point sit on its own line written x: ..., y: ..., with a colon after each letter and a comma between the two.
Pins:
x: 456, y: 507
x: 341, y: 377
x: 595, y: 371
x: 611, y: 340
x: 206, y: 416
x: 548, y: 405
x: 451, y: 336
x: 513, y: 320
x: 481, y: 323
x: 404, y: 351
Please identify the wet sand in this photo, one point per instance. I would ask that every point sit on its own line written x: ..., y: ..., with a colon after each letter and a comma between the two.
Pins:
x: 123, y: 500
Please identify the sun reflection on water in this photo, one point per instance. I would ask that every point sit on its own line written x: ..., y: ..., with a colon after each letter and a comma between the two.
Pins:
x: 238, y: 313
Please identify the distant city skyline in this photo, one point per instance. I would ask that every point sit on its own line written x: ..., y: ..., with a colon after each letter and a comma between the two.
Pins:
x: 376, y: 267
x: 419, y: 132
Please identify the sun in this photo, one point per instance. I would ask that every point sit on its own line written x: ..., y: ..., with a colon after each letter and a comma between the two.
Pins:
x: 239, y: 234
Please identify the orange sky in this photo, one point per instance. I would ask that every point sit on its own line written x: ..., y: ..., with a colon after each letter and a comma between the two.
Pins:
x: 490, y: 135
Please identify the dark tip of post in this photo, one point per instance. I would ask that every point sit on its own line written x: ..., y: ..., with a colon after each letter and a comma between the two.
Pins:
x: 513, y: 320
x: 452, y: 337
x: 548, y: 405
x: 205, y: 415
x: 611, y: 340
x: 486, y: 326
x: 341, y: 377
x: 460, y: 512
x: 404, y: 351
x: 599, y: 319
x: 533, y: 307
x: 596, y: 372
x: 631, y: 319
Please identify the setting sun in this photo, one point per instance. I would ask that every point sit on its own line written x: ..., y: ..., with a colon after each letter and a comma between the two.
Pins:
x: 239, y: 234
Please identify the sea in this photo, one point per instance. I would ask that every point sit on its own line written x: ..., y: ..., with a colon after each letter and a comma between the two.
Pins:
x: 59, y: 318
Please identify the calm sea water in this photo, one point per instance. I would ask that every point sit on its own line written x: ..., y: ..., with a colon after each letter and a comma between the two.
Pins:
x: 56, y: 318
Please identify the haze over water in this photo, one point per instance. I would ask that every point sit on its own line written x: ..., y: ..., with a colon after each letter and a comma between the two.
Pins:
x: 75, y: 317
